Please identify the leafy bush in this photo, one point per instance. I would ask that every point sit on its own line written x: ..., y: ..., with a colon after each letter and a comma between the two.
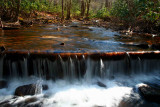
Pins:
x: 102, y: 13
x: 148, y: 9
x: 132, y: 11
x: 120, y: 10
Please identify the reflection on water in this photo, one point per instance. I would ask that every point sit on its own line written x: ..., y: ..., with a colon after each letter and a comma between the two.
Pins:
x: 79, y: 38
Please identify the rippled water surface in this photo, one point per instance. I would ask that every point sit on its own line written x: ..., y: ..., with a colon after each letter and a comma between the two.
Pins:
x: 76, y: 37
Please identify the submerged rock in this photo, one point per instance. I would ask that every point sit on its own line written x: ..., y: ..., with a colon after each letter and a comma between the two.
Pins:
x: 101, y: 84
x: 62, y: 44
x: 45, y: 87
x: 30, y: 89
x: 3, y: 84
x: 150, y: 93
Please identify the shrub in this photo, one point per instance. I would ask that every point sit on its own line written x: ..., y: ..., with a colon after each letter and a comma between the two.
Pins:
x: 132, y: 11
x: 102, y: 13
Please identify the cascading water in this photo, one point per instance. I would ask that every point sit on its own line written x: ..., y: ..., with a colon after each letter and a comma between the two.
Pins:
x: 73, y: 79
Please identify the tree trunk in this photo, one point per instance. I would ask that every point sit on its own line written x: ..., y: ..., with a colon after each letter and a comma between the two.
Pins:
x: 62, y: 10
x: 68, y: 9
x: 88, y: 8
x: 82, y: 8
x: 17, y: 10
x: 1, y: 24
x: 107, y: 4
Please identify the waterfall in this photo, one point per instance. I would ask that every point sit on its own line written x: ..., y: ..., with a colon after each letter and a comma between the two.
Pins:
x: 72, y: 67
x: 79, y: 79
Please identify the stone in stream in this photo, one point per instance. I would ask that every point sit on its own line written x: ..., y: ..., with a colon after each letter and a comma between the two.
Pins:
x: 135, y: 100
x: 26, y: 22
x: 150, y: 93
x: 5, y: 104
x: 3, y: 84
x: 101, y: 84
x: 26, y: 102
x: 62, y: 44
x: 45, y: 87
x: 30, y: 89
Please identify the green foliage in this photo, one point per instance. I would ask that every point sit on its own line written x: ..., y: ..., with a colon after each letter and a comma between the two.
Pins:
x: 148, y: 9
x: 75, y: 8
x: 28, y: 5
x: 102, y: 13
x: 126, y: 10
x: 120, y: 10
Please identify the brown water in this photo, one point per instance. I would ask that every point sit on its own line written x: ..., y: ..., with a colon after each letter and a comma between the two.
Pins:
x: 80, y: 39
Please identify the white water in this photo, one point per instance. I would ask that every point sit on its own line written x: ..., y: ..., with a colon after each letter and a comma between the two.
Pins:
x: 119, y: 76
x: 78, y: 93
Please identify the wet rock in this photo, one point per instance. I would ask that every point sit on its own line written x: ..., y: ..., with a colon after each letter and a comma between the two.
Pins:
x: 135, y: 100
x: 140, y: 45
x: 40, y: 104
x: 62, y: 44
x: 5, y: 104
x: 2, y: 48
x: 150, y: 93
x: 45, y: 87
x: 3, y: 84
x: 31, y: 100
x: 19, y: 102
x: 101, y: 84
x: 30, y: 89
x: 26, y: 22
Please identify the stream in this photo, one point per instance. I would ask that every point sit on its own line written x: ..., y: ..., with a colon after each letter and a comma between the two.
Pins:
x: 75, y: 37
x: 74, y: 81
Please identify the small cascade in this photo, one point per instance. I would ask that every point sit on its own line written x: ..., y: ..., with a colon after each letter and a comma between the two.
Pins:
x: 77, y: 79
x: 76, y: 66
